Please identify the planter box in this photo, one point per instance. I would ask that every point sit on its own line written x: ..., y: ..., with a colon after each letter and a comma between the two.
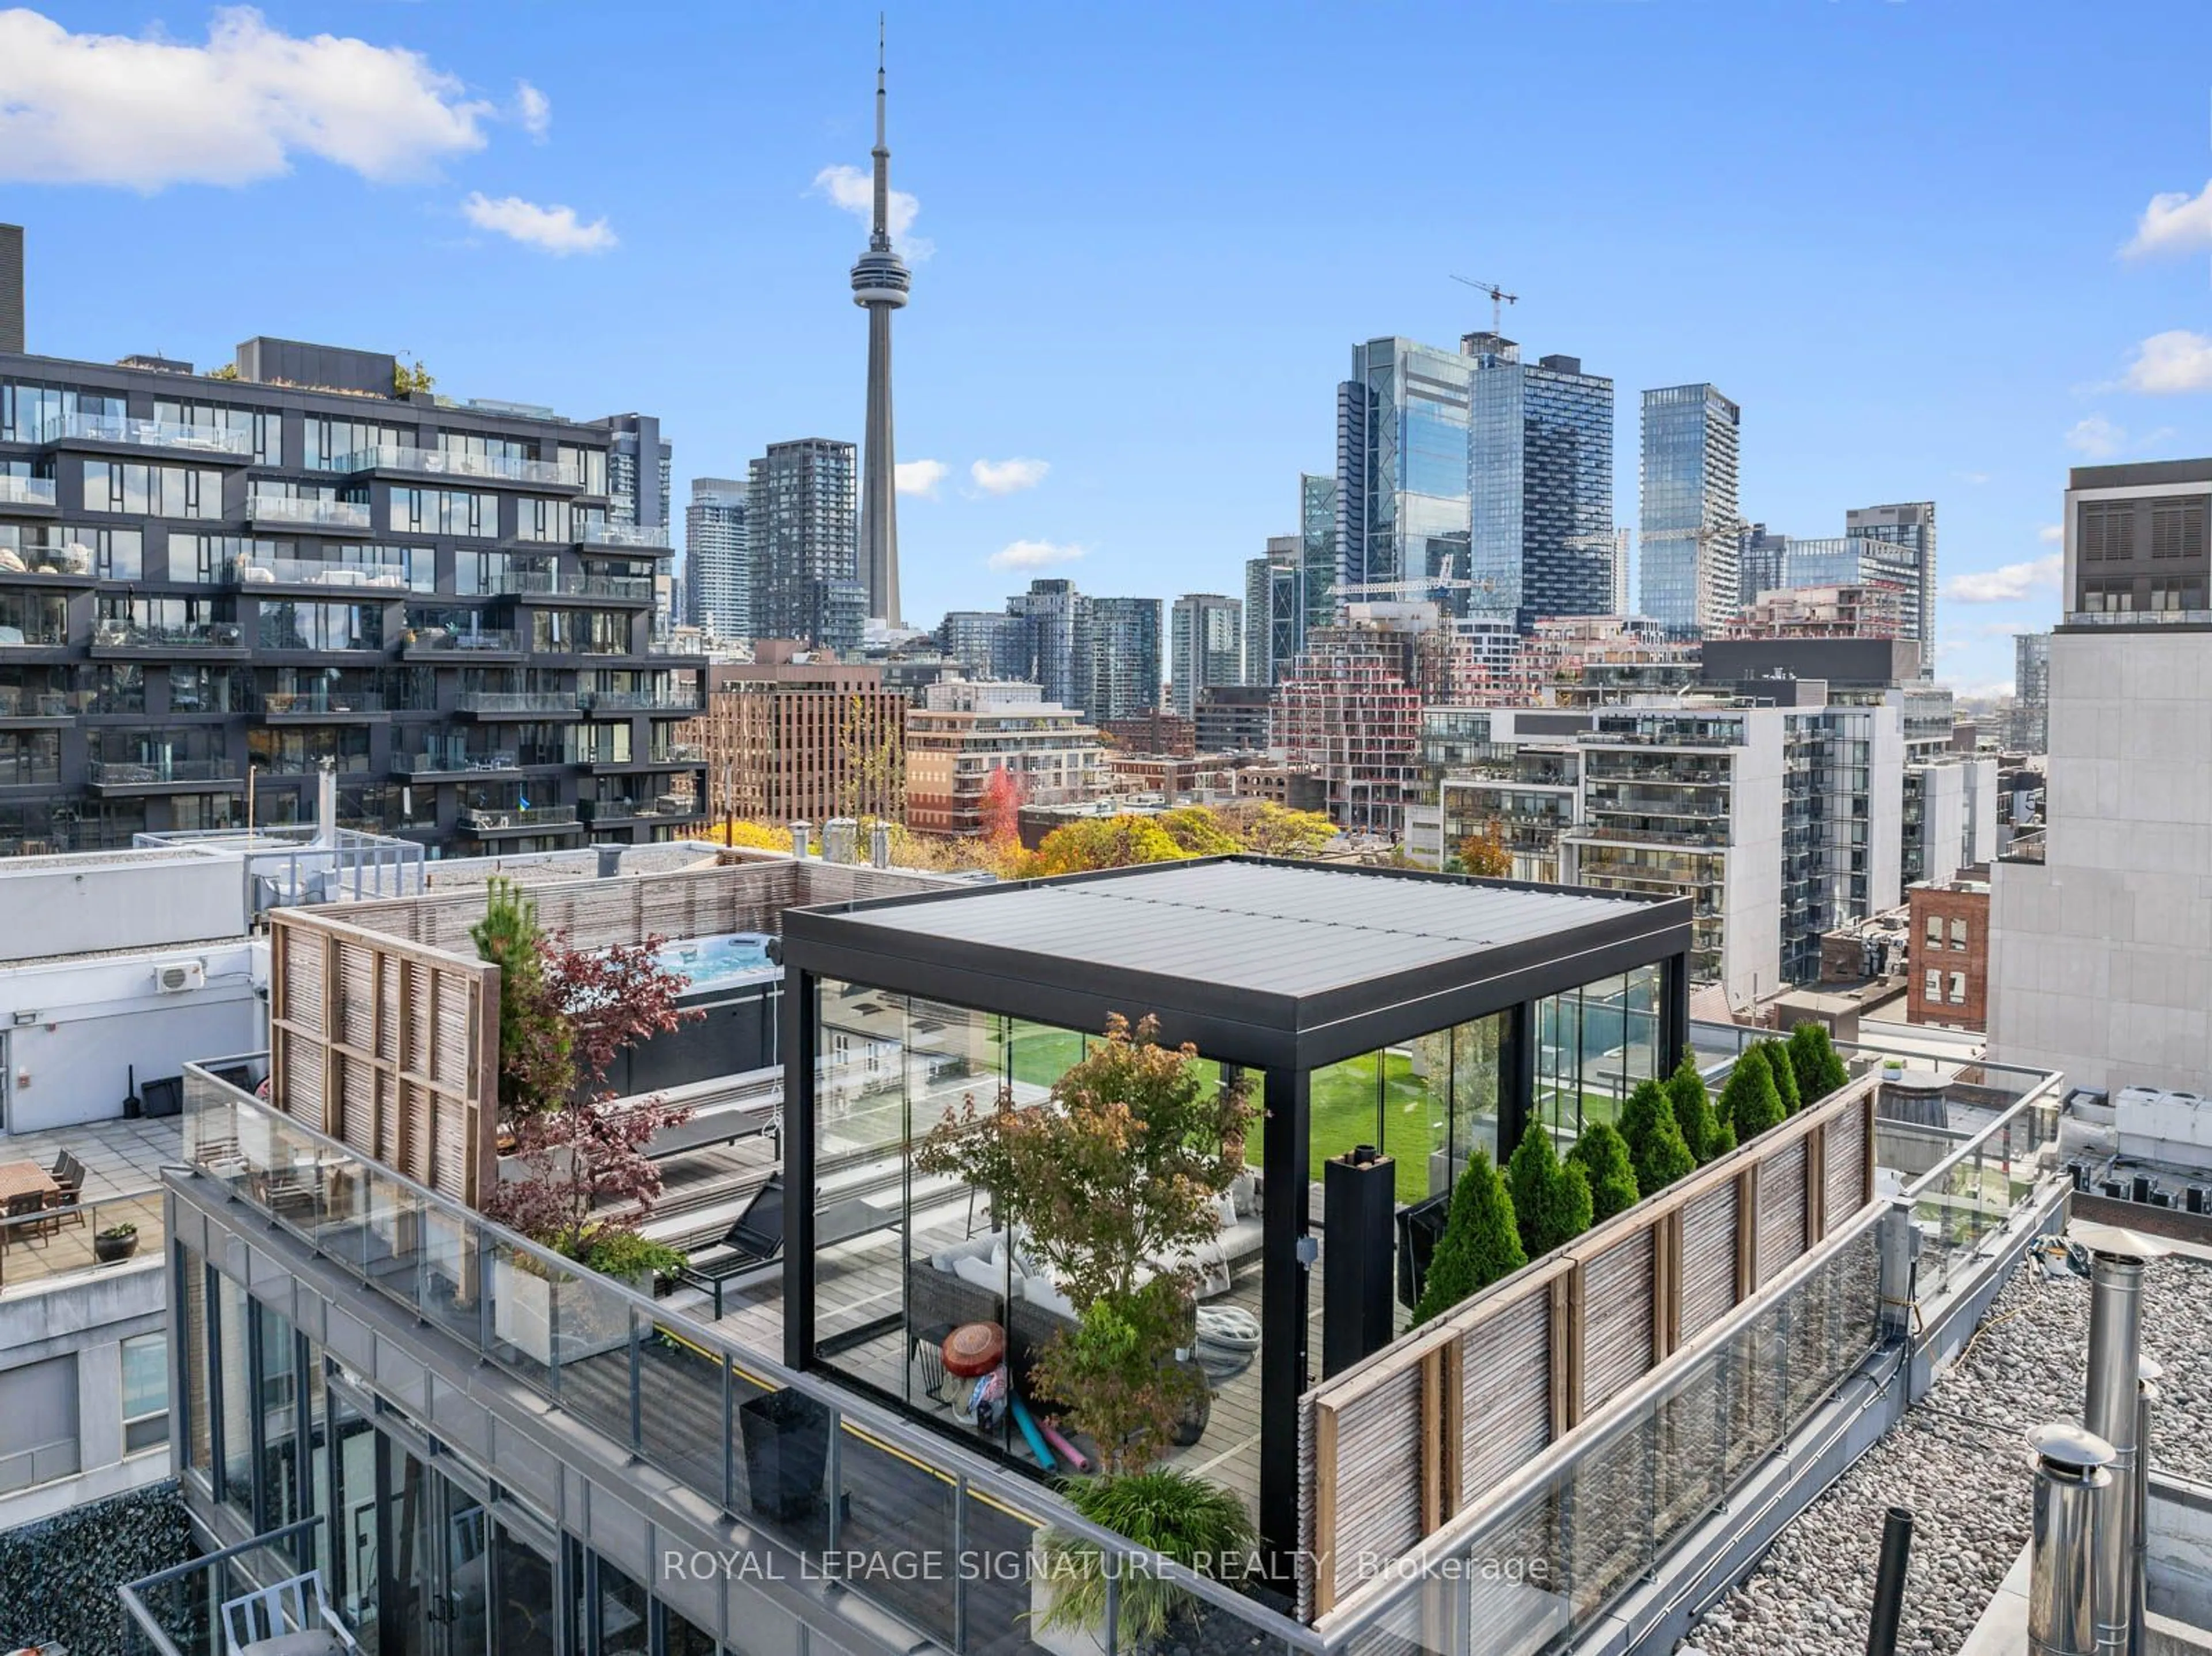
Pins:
x: 786, y: 1446
x: 522, y: 1316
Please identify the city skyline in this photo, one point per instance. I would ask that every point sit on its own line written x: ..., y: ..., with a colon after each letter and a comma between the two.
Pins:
x: 730, y: 337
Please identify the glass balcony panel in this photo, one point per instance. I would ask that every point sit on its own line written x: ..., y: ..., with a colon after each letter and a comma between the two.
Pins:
x: 26, y: 491
x: 149, y: 433
x: 313, y: 513
x: 444, y: 463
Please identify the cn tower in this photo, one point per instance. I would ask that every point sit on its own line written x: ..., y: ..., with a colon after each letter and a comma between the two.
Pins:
x: 879, y: 285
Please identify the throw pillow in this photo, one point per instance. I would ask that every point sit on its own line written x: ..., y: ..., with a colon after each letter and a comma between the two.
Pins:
x: 1044, y: 1294
x: 982, y: 1272
x: 1242, y: 1189
x: 1227, y: 1206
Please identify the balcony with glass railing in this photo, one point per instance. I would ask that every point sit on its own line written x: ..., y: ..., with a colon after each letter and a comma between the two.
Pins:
x: 441, y: 463
x: 219, y: 442
x: 927, y: 1552
x: 440, y: 643
x: 596, y: 532
x: 26, y: 492
x: 247, y: 570
x: 160, y: 771
x: 626, y: 701
x: 306, y: 513
x: 319, y: 701
x: 517, y: 701
x: 456, y: 761
x: 546, y: 583
x: 517, y: 819
x: 116, y: 633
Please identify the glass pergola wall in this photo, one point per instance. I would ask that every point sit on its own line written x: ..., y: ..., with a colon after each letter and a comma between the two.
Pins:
x: 902, y: 1257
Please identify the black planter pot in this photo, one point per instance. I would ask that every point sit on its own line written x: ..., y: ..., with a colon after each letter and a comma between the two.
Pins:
x: 786, y: 1444
x: 106, y: 1250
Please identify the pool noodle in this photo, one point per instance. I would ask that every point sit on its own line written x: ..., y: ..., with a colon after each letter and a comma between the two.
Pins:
x: 1029, y: 1430
x: 1068, y: 1453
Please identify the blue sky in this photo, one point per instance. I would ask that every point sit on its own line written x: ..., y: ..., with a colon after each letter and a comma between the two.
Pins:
x: 1897, y: 234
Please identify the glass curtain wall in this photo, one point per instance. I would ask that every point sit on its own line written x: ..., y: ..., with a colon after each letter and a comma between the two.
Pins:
x: 420, y: 1557
x: 1593, y: 1045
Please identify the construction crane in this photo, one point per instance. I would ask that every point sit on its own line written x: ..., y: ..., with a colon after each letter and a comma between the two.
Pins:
x: 1498, y: 299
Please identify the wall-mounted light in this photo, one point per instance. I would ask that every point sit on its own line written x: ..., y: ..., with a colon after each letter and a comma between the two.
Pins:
x: 24, y: 1018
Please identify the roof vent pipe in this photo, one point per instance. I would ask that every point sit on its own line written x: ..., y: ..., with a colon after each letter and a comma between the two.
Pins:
x: 2116, y: 1259
x: 2073, y: 1493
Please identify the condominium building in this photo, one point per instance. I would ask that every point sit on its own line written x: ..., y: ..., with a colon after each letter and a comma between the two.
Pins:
x: 1318, y: 561
x: 1897, y: 546
x: 205, y: 577
x: 2029, y: 729
x: 803, y: 533
x: 1539, y: 481
x: 1402, y: 470
x: 1350, y: 711
x: 964, y: 730
x: 1820, y: 612
x: 1691, y: 529
x: 1273, y: 610
x: 1054, y: 647
x: 718, y: 558
x: 1119, y: 676
x: 985, y: 643
x: 1234, y: 718
x: 2101, y: 934
x: 1206, y: 646
x: 790, y: 738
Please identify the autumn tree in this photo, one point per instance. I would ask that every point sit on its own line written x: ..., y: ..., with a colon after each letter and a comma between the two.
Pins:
x: 1000, y: 811
x: 1096, y: 842
x: 1115, y: 1182
x: 1198, y: 831
x: 1483, y: 855
x: 871, y: 759
x: 1267, y: 829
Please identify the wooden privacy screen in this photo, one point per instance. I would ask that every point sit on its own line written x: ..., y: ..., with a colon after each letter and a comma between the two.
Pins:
x: 1394, y: 1447
x: 692, y: 902
x: 388, y: 1047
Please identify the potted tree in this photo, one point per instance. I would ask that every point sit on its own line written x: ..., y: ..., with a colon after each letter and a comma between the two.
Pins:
x: 1115, y: 1182
x: 116, y: 1242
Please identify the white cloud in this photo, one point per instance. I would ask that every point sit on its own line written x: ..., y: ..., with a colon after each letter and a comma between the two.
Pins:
x: 920, y: 477
x: 2174, y: 222
x: 1035, y: 554
x: 854, y: 188
x: 2096, y: 437
x: 533, y: 109
x: 146, y: 113
x: 2052, y: 534
x: 1975, y: 479
x: 2174, y: 361
x: 2008, y: 582
x: 554, y: 230
x: 1008, y: 476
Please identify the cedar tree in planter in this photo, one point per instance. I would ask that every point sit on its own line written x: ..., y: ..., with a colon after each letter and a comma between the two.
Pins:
x: 1749, y: 1099
x: 1819, y: 1068
x: 1657, y: 1150
x: 1785, y: 1076
x: 1551, y: 1200
x: 1602, y: 1155
x: 1703, y: 1130
x: 1481, y: 1244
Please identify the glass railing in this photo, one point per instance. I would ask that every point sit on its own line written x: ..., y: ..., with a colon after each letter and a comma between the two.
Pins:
x: 26, y: 491
x: 64, y: 1240
x: 151, y: 433
x: 314, y: 513
x: 34, y: 704
x: 320, y: 699
x: 2026, y: 846
x: 516, y: 702
x: 482, y: 817
x: 1976, y: 1191
x: 177, y: 1611
x: 1545, y: 1557
x: 439, y: 463
x: 438, y: 640
x: 22, y: 770
x: 157, y: 773
x: 594, y: 531
x: 641, y: 701
x: 116, y: 634
x: 2139, y: 618
x: 931, y: 1546
x: 527, y: 581
x: 313, y: 572
x: 452, y: 761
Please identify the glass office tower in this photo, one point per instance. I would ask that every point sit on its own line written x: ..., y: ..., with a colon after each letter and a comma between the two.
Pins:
x: 1540, y: 485
x: 1402, y: 436
x: 1691, y: 522
x: 1317, y: 559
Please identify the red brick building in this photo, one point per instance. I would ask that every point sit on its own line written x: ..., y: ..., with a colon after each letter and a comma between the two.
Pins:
x: 1948, y: 982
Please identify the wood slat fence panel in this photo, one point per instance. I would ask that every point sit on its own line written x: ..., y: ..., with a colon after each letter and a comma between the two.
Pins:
x: 1518, y: 1367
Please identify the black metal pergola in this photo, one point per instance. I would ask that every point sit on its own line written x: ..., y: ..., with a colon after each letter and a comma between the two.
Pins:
x: 1284, y: 967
